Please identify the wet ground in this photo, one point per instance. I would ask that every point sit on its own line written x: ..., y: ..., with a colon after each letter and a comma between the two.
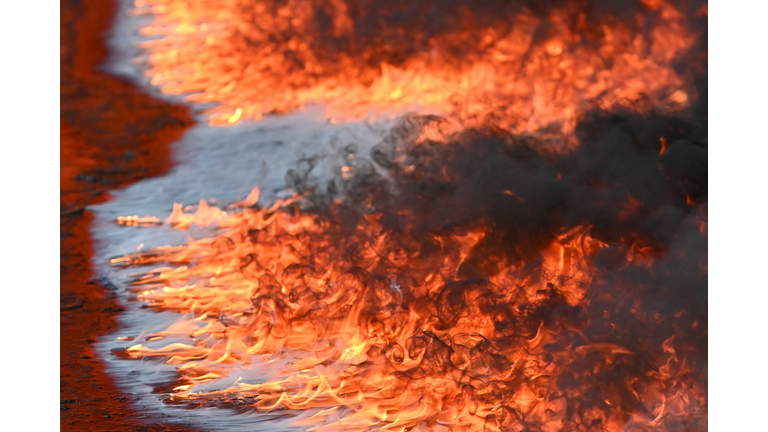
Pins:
x: 111, y: 135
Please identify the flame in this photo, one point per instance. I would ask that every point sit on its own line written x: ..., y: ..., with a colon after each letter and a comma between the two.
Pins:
x: 361, y: 354
x: 138, y: 221
x: 372, y: 329
x: 527, y: 73
x: 368, y: 327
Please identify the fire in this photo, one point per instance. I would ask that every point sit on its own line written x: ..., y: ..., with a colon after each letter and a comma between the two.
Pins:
x: 522, y: 71
x: 413, y: 323
x: 399, y: 352
x: 491, y: 278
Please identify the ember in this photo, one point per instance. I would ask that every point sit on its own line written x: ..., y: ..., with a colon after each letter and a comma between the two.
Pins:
x: 525, y: 250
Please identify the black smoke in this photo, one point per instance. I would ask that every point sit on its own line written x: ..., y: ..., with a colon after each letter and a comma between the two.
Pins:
x: 638, y: 180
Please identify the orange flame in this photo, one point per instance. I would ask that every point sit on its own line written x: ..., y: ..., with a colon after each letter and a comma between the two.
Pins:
x: 371, y: 328
x: 275, y: 294
x: 255, y: 58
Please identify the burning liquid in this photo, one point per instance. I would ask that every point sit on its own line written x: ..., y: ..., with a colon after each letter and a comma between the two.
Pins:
x: 404, y: 307
x: 471, y: 275
x: 500, y: 64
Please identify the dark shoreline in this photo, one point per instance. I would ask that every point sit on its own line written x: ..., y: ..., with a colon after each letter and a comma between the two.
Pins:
x: 112, y: 135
